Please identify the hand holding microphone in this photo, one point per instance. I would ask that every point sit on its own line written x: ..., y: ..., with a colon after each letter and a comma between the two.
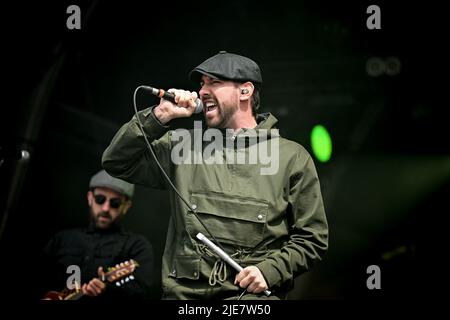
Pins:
x: 245, y: 276
x: 186, y: 103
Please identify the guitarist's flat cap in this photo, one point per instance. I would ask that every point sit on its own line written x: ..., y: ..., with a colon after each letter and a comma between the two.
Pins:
x: 103, y: 179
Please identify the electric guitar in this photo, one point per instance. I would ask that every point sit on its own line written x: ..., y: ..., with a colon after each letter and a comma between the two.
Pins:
x: 118, y: 275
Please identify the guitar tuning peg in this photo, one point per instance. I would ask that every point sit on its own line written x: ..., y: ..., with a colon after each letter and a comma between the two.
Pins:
x: 122, y: 264
x: 127, y: 263
x: 131, y: 277
x: 118, y: 284
x: 127, y: 279
x: 122, y: 282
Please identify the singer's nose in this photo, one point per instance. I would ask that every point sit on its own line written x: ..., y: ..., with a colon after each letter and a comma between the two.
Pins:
x: 204, y: 96
x: 204, y: 91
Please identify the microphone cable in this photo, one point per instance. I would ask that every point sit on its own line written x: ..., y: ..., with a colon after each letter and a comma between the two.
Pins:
x: 192, y: 208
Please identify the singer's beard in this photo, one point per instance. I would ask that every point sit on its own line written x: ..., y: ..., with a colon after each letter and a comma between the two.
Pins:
x: 223, y: 114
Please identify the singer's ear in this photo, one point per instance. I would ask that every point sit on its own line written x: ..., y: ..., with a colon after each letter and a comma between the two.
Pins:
x: 246, y: 90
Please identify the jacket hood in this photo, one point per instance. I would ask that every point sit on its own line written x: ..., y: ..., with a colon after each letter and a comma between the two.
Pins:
x: 266, y: 127
x: 266, y: 121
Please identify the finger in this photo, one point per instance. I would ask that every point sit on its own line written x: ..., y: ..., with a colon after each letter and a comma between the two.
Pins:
x: 100, y: 272
x: 259, y: 289
x: 84, y: 288
x: 192, y: 101
x: 176, y: 93
x: 98, y: 290
x: 95, y: 289
x: 246, y: 281
x: 252, y: 287
x: 90, y: 291
x: 101, y: 285
x: 98, y: 285
x: 185, y: 96
x: 186, y: 111
x: 243, y: 274
x: 181, y: 98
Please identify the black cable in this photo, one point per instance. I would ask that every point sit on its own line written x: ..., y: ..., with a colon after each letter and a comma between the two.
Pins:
x: 191, y: 208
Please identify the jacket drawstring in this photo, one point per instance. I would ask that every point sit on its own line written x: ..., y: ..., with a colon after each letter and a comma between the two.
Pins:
x: 218, y: 272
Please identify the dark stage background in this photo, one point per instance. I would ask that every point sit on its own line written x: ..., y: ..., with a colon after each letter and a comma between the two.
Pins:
x: 385, y: 188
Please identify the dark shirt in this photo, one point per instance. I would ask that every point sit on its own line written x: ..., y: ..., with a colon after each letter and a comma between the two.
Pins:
x: 90, y: 248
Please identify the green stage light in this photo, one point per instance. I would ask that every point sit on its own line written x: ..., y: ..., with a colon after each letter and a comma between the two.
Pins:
x: 321, y: 143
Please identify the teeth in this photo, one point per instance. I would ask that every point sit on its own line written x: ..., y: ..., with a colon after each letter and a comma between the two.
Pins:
x: 210, y: 107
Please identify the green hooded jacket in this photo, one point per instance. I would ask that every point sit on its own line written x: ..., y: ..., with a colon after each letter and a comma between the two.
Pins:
x: 274, y: 220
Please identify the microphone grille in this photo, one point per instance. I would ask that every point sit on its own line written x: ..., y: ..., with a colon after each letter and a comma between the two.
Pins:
x: 199, y: 106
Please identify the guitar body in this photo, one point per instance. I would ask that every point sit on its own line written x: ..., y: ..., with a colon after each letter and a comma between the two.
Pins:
x: 63, y: 295
x: 53, y: 295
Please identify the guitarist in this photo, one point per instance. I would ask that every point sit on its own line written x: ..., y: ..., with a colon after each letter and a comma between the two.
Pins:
x: 104, y: 243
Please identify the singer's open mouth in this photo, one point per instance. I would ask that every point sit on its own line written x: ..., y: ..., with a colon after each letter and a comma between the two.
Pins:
x: 210, y: 106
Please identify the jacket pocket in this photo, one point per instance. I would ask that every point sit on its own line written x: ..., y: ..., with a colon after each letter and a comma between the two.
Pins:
x: 234, y: 220
x: 187, y: 267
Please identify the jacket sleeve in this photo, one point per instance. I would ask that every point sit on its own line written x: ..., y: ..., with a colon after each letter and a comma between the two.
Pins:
x: 128, y: 157
x: 308, y: 240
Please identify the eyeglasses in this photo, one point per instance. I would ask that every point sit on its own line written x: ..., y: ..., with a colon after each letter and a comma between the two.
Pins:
x: 113, y: 202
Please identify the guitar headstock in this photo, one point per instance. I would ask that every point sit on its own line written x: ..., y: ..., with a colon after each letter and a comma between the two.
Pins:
x: 121, y: 273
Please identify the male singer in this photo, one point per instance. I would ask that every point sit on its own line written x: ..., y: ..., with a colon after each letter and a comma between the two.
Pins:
x: 271, y: 222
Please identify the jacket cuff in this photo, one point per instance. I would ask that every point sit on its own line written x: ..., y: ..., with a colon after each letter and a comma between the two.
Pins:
x: 269, y: 272
x: 152, y: 126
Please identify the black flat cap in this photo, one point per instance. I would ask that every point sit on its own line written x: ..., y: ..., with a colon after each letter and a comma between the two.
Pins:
x: 228, y: 66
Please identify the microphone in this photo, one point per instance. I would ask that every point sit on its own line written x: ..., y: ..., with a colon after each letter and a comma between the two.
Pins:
x: 171, y: 97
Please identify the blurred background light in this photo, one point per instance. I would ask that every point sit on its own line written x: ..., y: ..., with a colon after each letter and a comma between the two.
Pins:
x: 321, y: 143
